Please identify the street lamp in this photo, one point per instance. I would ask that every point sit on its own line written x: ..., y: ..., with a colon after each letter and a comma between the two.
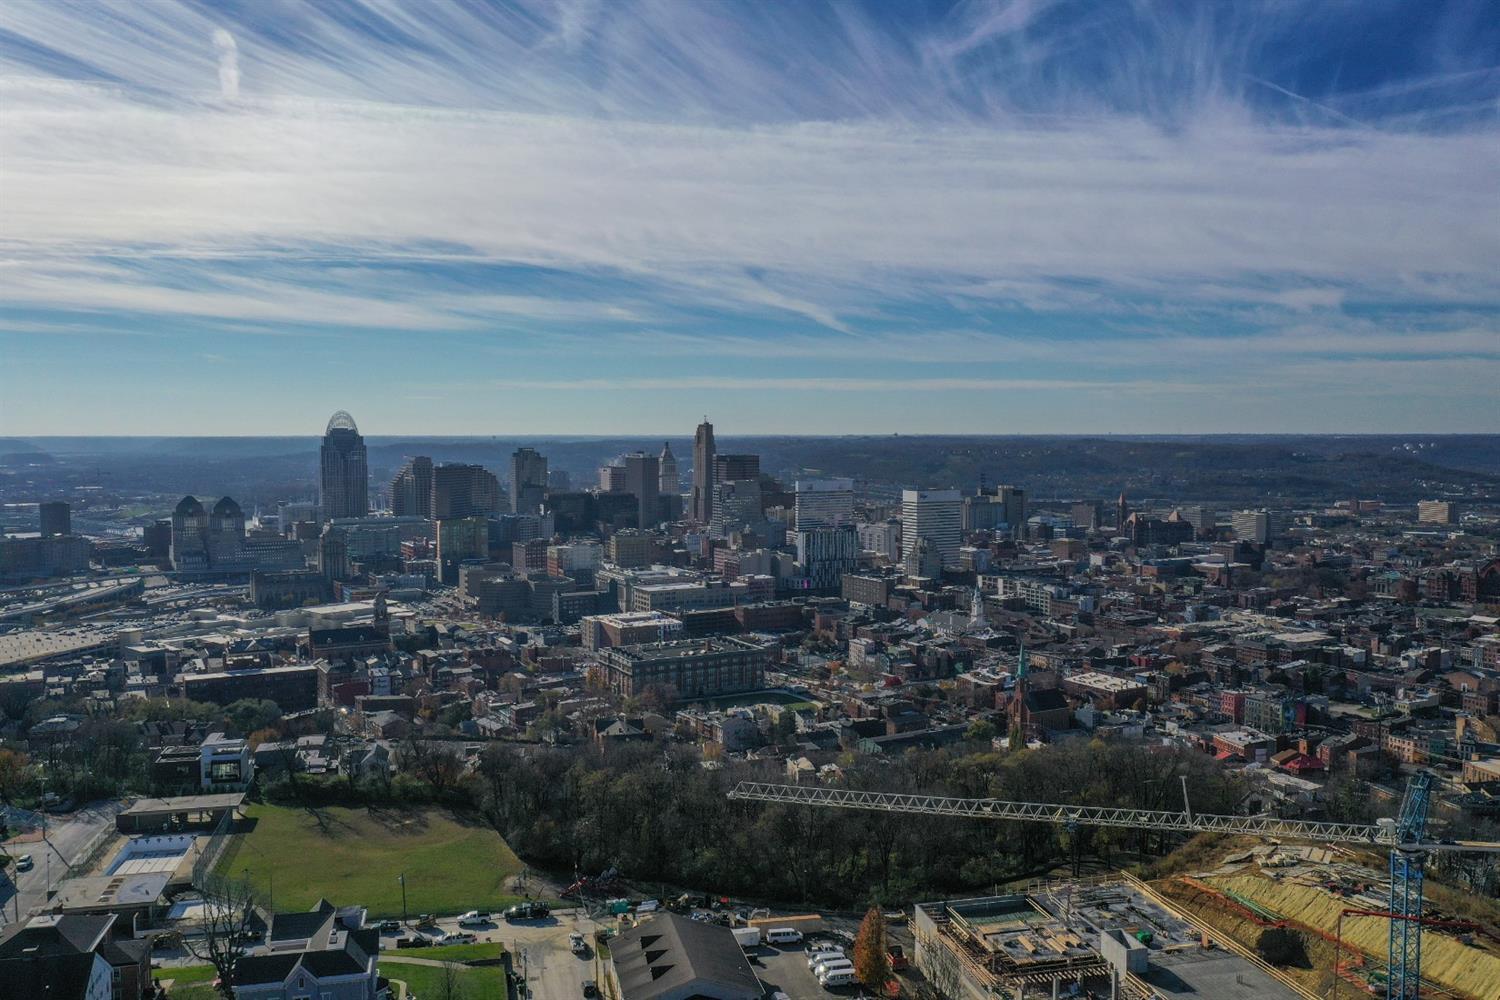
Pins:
x: 402, y: 879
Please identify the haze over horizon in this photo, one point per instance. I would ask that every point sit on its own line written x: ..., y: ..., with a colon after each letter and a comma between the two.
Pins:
x: 1026, y: 217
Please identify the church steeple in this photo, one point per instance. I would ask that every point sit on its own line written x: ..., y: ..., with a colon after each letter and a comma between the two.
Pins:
x: 1020, y: 717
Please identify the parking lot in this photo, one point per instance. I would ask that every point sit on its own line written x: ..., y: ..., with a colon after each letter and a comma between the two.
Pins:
x: 539, y: 948
x: 784, y: 969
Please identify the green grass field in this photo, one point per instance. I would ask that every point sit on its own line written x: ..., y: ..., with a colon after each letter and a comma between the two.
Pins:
x: 452, y: 952
x: 192, y: 982
x: 195, y: 982
x: 486, y: 983
x: 348, y: 856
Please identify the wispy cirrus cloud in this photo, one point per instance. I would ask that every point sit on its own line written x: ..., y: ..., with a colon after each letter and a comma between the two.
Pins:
x: 1193, y: 184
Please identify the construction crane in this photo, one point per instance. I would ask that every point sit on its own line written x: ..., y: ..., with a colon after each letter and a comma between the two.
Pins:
x: 1405, y: 836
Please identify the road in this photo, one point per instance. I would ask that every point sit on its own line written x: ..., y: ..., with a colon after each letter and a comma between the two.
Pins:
x: 555, y: 973
x: 67, y: 838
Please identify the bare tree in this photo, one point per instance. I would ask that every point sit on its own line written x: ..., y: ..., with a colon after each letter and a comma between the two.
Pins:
x: 450, y: 983
x: 228, y: 916
x: 438, y: 766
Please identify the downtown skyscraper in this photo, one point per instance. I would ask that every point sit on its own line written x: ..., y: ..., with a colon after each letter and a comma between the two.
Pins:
x: 411, y: 490
x: 344, y: 472
x: 528, y: 480
x: 703, y: 473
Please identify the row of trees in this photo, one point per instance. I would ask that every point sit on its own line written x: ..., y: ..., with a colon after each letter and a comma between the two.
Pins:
x: 659, y: 815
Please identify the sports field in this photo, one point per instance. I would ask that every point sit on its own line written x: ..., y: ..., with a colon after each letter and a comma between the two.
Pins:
x: 294, y: 856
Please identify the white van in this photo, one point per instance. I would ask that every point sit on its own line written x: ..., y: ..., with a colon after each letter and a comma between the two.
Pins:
x: 818, y: 958
x: 841, y: 978
x: 783, y: 935
x: 829, y: 968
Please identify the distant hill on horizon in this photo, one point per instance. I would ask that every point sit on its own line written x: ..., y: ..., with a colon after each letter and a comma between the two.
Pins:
x: 1181, y: 468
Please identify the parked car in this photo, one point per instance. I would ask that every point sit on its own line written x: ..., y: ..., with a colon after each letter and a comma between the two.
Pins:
x: 390, y: 926
x: 474, y: 918
x: 24, y: 863
x: 590, y: 988
x: 416, y: 941
x: 576, y: 944
x: 647, y: 906
x: 527, y: 911
x: 783, y: 935
x: 897, y: 957
x: 837, y: 977
x: 826, y: 961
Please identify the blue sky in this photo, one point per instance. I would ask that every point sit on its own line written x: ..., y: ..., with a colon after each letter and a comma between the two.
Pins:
x: 613, y: 217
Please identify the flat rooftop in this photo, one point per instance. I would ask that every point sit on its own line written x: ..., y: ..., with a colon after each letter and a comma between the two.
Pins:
x: 1178, y: 966
x: 1103, y: 682
x: 184, y: 803
x: 682, y: 648
x: 250, y: 672
x: 1217, y: 974
x: 636, y: 618
x: 111, y: 890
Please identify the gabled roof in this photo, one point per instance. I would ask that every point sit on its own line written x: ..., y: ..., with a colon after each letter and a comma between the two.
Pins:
x: 70, y: 934
x: 331, y: 949
x: 1045, y: 700
x: 302, y: 926
x: 669, y: 953
x: 51, y: 955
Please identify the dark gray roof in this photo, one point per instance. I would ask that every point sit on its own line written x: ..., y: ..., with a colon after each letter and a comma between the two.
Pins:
x: 60, y: 975
x: 331, y: 949
x: 70, y: 934
x: 1045, y: 700
x: 669, y: 953
x: 50, y: 954
x: 302, y: 926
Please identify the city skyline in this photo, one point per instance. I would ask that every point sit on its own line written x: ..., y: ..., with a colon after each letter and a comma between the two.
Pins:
x: 936, y: 218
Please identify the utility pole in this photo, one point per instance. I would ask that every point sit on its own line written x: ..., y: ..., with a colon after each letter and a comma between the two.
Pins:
x: 402, y: 879
x: 46, y: 844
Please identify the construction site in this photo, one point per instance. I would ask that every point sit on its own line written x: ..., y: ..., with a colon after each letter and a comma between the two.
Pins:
x: 1332, y: 900
x: 1110, y: 937
x: 1262, y: 919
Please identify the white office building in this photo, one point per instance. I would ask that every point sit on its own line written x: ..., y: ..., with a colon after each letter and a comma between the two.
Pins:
x: 1252, y: 526
x: 824, y: 503
x: 882, y: 538
x: 936, y: 515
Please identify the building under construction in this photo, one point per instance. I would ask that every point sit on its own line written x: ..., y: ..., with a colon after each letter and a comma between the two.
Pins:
x: 1100, y: 938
